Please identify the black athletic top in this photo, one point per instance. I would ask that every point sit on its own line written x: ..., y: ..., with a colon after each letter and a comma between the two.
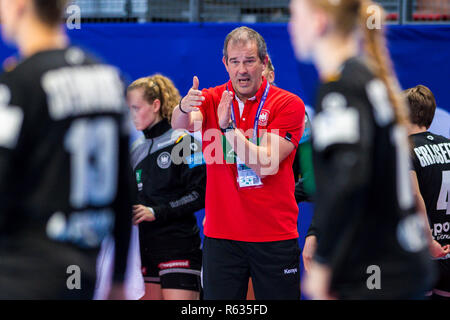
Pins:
x: 431, y: 162
x: 64, y: 161
x: 170, y: 174
x: 365, y: 208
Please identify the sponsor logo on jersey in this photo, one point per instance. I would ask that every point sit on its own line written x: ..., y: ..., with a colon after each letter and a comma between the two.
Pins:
x: 290, y: 271
x: 75, y: 56
x: 139, y: 179
x: 430, y: 138
x: 164, y: 161
x: 174, y: 264
x: 195, y: 160
x: 85, y: 229
x: 333, y: 101
x: 194, y: 147
x: 440, y: 231
x: 264, y: 118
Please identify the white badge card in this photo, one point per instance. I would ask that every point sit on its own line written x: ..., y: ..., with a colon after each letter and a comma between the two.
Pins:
x: 247, y: 178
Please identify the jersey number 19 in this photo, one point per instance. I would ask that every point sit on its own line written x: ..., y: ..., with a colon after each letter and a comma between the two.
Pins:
x: 93, y: 146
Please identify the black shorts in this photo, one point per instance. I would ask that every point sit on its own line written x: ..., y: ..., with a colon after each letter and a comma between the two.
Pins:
x: 273, y: 266
x: 442, y: 286
x: 172, y: 269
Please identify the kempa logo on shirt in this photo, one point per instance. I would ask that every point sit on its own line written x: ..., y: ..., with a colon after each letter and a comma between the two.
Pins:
x: 290, y: 271
x: 164, y: 160
x: 174, y: 264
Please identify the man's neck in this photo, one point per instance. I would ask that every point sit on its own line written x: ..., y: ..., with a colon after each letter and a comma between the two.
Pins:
x: 415, y: 129
x: 34, y: 37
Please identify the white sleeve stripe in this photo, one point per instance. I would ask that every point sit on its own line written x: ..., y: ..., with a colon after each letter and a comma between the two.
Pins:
x: 11, y: 119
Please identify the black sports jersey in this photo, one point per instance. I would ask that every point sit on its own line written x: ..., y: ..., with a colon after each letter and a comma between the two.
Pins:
x: 431, y: 160
x: 64, y: 166
x: 365, y: 207
x: 171, y: 179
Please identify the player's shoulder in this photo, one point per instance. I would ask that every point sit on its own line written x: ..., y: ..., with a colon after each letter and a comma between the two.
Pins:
x: 435, y: 138
x: 355, y: 73
x: 29, y: 71
x: 422, y: 138
x: 183, y: 137
x: 352, y: 80
x: 284, y: 98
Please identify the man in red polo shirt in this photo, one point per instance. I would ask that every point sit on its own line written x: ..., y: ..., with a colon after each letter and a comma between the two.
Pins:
x: 250, y: 133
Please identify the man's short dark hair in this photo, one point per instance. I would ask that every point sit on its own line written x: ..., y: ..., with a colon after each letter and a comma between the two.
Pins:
x: 422, y: 105
x: 50, y: 11
x: 243, y: 34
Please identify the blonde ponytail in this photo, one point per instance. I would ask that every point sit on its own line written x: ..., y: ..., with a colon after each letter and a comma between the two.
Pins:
x: 379, y: 59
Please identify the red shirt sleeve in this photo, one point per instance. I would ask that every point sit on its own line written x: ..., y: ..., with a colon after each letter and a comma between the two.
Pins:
x: 289, y: 121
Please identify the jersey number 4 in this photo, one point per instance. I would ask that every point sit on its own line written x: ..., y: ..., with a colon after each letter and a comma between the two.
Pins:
x: 443, y: 200
x: 93, y: 145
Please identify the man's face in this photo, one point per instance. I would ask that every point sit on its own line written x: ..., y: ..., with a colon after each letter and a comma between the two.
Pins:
x: 244, y: 68
x: 9, y: 16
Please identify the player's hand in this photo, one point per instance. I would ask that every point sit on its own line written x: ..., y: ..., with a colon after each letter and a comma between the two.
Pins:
x: 308, y: 251
x: 193, y: 99
x: 316, y: 283
x: 142, y: 213
x: 224, y: 109
x: 438, y: 251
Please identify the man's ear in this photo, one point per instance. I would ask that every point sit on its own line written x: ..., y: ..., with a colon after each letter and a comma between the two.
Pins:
x: 266, y: 61
x: 225, y: 63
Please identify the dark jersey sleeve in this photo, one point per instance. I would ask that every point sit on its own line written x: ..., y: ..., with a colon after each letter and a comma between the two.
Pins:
x: 123, y: 207
x: 193, y: 177
x: 342, y: 143
x: 12, y: 127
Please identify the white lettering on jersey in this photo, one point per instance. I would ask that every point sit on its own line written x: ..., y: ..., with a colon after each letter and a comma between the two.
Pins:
x: 433, y: 154
x: 74, y: 91
x: 378, y: 97
x: 335, y: 125
x: 11, y: 119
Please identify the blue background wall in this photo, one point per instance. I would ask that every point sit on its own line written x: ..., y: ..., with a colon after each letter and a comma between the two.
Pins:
x: 421, y: 54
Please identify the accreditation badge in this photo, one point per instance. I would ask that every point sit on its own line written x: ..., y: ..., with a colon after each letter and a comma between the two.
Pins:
x: 246, y: 177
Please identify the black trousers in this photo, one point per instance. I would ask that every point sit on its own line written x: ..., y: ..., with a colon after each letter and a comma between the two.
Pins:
x: 273, y: 266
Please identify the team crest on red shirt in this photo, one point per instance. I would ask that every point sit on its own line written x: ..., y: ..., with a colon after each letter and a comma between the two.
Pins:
x: 264, y: 118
